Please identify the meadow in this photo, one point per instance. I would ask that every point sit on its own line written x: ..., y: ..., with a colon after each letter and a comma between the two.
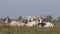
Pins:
x: 29, y: 30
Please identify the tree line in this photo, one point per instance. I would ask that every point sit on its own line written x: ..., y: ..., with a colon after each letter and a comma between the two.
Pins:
x: 48, y: 18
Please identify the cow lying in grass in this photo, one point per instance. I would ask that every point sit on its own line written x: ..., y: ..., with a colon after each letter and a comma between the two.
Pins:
x: 46, y: 24
x: 13, y: 23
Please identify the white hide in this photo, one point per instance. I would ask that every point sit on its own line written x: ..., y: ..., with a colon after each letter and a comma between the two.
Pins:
x: 15, y: 23
x: 34, y: 17
x: 30, y: 24
x: 19, y: 24
x: 31, y: 18
x: 40, y: 20
x: 48, y: 24
x: 12, y: 23
x: 6, y: 21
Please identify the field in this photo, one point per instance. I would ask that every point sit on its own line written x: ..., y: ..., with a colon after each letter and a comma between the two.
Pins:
x: 29, y: 30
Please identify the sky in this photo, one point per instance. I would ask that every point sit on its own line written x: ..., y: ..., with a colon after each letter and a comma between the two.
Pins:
x: 16, y: 8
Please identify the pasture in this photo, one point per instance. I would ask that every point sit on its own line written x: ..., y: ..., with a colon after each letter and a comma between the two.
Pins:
x: 29, y: 30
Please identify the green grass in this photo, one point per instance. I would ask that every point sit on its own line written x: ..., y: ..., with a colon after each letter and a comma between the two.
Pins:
x: 29, y: 30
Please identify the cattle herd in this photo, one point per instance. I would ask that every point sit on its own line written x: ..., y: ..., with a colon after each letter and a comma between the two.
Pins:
x: 30, y: 21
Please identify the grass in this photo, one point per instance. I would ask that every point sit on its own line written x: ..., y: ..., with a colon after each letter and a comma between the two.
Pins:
x: 29, y: 30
